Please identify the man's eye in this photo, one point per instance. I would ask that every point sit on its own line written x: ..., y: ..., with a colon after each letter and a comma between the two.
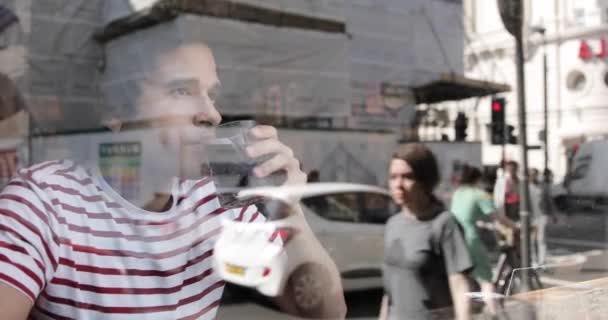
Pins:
x: 180, y: 92
x: 213, y: 95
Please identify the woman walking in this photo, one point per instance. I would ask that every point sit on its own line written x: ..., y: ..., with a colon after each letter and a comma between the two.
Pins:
x: 426, y: 259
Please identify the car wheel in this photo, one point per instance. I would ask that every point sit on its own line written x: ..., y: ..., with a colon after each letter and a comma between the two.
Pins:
x: 308, y: 284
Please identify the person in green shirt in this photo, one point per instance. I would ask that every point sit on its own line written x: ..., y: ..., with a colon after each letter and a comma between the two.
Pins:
x: 471, y: 204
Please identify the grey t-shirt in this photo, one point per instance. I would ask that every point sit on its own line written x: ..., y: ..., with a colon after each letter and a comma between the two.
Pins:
x: 419, y: 256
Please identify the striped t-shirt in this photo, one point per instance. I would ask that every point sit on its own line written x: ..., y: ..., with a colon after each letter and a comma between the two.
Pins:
x: 81, y: 252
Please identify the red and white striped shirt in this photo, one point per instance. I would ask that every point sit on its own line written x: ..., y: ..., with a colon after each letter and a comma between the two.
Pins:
x: 81, y: 252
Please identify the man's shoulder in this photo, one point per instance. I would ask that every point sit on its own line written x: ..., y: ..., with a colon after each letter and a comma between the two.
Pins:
x: 55, y: 175
x: 47, y: 169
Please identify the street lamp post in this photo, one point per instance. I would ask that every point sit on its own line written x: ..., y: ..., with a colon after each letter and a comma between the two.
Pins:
x: 542, y: 31
x: 524, y: 210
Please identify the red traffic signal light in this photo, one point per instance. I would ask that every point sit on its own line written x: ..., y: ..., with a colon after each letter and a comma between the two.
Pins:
x: 496, y: 106
x: 497, y: 124
x: 498, y: 110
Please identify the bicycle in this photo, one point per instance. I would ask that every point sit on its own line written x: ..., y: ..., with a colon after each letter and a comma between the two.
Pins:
x: 508, y: 274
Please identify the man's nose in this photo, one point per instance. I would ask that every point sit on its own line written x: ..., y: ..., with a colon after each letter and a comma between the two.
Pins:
x: 208, y: 117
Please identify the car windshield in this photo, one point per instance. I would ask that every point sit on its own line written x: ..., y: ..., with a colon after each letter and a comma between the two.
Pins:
x: 317, y: 159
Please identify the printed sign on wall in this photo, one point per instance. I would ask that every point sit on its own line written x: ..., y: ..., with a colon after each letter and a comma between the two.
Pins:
x: 120, y: 165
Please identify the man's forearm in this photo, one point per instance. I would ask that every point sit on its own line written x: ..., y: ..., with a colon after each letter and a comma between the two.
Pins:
x: 383, y: 308
x: 319, y: 266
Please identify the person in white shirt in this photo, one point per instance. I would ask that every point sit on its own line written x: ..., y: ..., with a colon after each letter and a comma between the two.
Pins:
x: 506, y: 199
x: 538, y: 217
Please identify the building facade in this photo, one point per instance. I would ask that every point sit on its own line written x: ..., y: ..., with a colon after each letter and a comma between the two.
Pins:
x: 358, y: 78
x: 577, y: 80
x: 334, y: 67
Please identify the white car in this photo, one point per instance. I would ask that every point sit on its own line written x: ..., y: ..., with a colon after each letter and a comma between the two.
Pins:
x: 348, y: 219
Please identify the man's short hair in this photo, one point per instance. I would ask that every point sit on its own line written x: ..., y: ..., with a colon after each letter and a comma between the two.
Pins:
x: 135, y: 58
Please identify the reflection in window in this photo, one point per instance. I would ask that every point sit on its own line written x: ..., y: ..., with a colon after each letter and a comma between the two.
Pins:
x: 11, y: 100
x: 352, y: 207
x: 378, y: 208
x: 337, y: 207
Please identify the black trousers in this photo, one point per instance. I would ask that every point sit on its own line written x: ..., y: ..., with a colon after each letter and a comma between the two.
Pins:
x: 512, y: 211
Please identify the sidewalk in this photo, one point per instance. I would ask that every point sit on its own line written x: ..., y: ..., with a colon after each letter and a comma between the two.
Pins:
x: 570, y: 269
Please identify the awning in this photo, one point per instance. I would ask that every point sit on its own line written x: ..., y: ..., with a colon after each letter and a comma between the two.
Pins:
x: 165, y: 10
x: 451, y: 86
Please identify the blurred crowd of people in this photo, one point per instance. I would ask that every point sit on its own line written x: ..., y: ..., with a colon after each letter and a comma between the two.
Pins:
x: 435, y: 254
x: 507, y: 197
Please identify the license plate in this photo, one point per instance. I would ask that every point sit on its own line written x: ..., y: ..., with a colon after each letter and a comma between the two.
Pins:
x: 236, y: 270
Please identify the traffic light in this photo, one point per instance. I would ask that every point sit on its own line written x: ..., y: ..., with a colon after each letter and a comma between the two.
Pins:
x: 460, y: 127
x: 497, y: 126
x: 511, y: 139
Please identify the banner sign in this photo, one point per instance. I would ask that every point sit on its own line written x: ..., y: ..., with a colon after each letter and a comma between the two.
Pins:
x: 385, y: 107
x: 120, y: 165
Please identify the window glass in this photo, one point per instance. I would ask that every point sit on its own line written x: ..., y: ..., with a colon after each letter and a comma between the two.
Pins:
x: 152, y: 151
x: 579, y: 17
x: 344, y: 207
x: 353, y: 207
x: 377, y: 208
x: 576, y: 80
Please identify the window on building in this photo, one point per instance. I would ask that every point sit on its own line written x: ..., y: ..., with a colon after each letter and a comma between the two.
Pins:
x: 576, y: 80
x: 579, y: 17
x: 604, y: 17
x: 469, y: 18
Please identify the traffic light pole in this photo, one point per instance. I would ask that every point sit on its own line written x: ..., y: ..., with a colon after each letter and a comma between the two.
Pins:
x: 545, y: 112
x: 524, y: 209
x: 504, y: 147
x: 547, y: 177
